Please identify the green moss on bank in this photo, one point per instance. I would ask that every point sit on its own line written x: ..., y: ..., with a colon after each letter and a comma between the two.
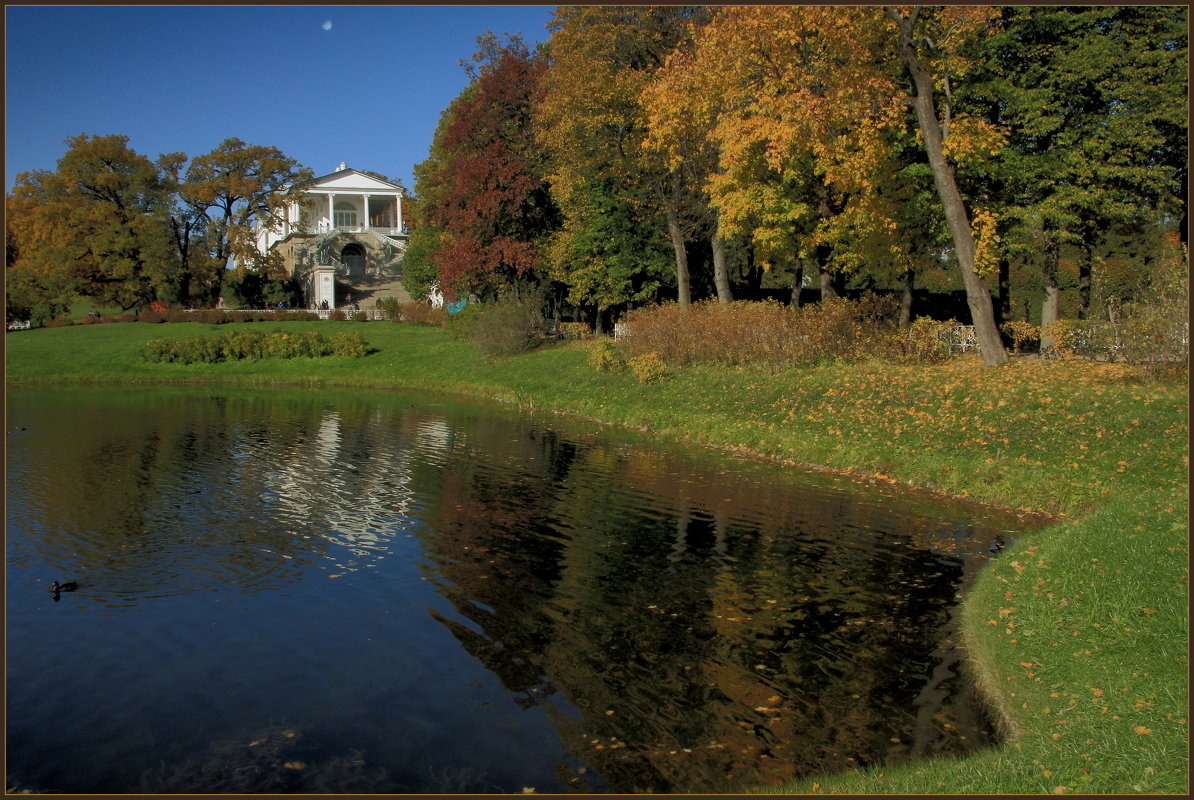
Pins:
x: 1086, y: 615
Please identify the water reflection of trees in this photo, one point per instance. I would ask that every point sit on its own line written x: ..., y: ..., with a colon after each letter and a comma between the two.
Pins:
x: 703, y: 645
x: 212, y: 492
x: 685, y: 626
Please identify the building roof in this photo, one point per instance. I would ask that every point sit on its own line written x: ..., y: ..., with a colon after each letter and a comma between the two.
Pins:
x: 348, y: 179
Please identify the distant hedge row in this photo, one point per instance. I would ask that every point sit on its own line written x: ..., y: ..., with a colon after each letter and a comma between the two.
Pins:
x: 209, y: 316
x: 253, y: 345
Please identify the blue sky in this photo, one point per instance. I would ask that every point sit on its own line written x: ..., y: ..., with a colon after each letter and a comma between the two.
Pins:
x: 361, y: 84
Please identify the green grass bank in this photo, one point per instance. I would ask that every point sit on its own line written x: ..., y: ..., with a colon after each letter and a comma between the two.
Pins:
x: 1078, y: 633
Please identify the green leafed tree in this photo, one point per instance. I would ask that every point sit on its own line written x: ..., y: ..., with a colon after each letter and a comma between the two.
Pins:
x: 591, y: 119
x: 237, y: 186
x: 1095, y: 103
x: 604, y: 255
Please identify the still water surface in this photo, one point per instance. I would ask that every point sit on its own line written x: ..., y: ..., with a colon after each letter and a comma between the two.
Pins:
x: 376, y: 592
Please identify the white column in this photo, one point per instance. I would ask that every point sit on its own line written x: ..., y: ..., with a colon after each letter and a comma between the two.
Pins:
x: 398, y: 211
x: 332, y: 210
x: 366, y: 225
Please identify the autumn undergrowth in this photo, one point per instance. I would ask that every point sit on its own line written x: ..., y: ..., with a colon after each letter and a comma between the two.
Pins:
x: 1077, y: 633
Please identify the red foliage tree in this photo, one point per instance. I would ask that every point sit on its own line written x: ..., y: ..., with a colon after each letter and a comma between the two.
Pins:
x: 493, y: 207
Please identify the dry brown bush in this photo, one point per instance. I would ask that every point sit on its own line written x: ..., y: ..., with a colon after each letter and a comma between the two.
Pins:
x: 766, y: 332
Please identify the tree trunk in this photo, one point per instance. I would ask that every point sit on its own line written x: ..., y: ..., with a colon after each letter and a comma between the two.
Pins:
x: 827, y: 289
x: 754, y: 271
x: 683, y: 283
x: 1005, y: 290
x: 797, y: 284
x: 978, y: 298
x: 821, y: 252
x: 721, y: 276
x: 1085, y: 267
x: 906, y: 280
x: 1051, y: 302
x: 1183, y: 224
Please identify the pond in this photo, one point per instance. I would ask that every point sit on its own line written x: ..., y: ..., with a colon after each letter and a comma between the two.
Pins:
x: 311, y: 591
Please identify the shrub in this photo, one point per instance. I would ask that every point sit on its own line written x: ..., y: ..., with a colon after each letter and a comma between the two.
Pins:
x: 151, y: 316
x: 765, y: 332
x: 575, y: 330
x: 389, y: 308
x: 504, y: 328
x: 360, y: 316
x: 606, y: 356
x: 1021, y: 332
x: 249, y: 344
x: 349, y: 345
x: 157, y: 306
x: 60, y: 321
x: 926, y: 340
x: 1156, y: 330
x: 246, y: 344
x: 281, y: 345
x: 648, y: 367
x: 158, y: 350
x: 1072, y: 338
x: 422, y: 314
x: 338, y: 315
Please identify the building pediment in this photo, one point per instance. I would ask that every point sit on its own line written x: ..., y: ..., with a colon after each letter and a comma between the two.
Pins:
x: 349, y: 180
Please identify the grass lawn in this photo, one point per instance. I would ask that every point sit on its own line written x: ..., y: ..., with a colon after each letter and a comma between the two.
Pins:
x: 1078, y: 633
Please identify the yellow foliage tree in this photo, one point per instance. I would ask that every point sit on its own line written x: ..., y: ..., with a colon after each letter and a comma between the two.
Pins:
x: 591, y: 119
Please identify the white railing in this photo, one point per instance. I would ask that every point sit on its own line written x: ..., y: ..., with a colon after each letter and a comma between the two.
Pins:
x: 959, y: 339
x: 325, y: 227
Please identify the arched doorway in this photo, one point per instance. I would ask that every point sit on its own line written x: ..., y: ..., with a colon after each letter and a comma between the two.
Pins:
x: 353, y: 258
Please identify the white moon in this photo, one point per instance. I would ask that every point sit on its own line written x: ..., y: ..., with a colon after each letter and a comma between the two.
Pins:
x: 327, y: 25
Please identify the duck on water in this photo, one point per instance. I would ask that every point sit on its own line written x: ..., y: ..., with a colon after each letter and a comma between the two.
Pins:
x: 58, y: 588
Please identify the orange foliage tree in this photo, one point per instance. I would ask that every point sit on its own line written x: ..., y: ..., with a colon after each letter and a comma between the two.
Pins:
x: 814, y: 98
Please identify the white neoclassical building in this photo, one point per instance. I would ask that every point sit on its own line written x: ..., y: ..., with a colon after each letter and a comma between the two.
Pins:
x: 347, y: 225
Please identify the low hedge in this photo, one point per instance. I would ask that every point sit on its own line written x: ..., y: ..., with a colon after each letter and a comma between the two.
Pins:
x: 253, y: 345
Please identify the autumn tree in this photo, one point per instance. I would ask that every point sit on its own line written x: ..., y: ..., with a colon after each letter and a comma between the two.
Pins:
x: 490, y: 206
x: 825, y: 89
x: 231, y: 189
x: 927, y: 42
x: 419, y: 273
x: 802, y: 122
x: 96, y: 226
x: 680, y: 116
x: 604, y: 254
x: 1095, y: 103
x: 592, y: 122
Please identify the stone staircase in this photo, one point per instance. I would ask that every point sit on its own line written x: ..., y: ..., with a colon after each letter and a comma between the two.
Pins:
x: 366, y: 290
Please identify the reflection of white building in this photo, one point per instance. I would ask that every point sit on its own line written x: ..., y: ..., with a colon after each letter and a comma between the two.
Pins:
x: 358, y: 505
x: 348, y: 224
x: 434, y: 436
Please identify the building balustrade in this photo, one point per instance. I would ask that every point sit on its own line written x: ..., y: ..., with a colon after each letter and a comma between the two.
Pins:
x: 325, y: 227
